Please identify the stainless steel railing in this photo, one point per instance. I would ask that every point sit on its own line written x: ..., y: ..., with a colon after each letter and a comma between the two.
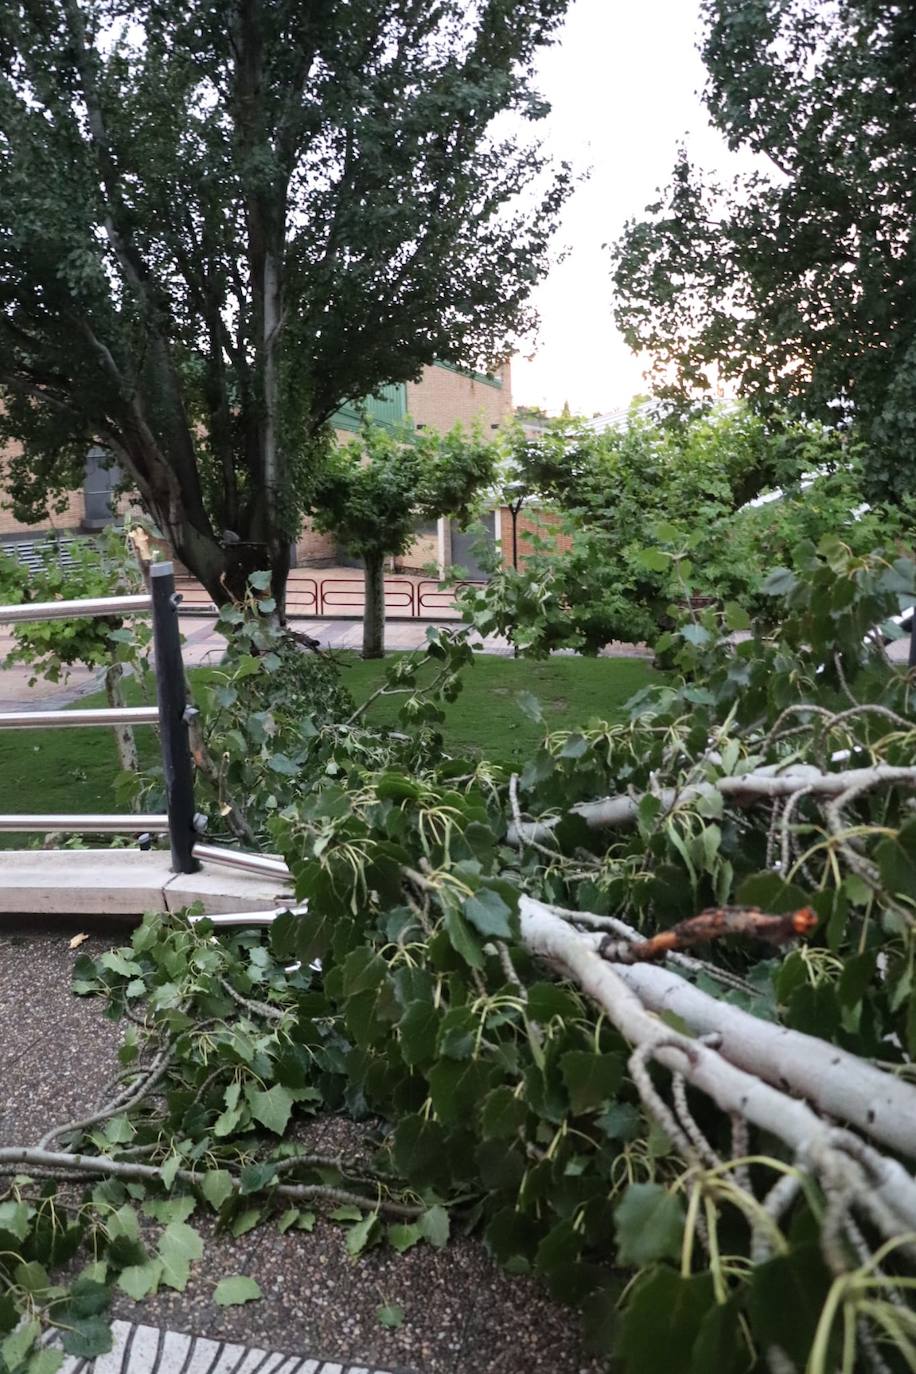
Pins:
x: 171, y: 714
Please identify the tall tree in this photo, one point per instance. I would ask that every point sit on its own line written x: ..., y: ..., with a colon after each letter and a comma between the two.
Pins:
x: 220, y: 221
x: 799, y: 281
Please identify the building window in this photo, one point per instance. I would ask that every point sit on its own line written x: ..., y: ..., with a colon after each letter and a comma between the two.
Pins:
x: 99, y: 485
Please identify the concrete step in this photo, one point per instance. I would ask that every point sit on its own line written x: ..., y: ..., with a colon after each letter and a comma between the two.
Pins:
x: 124, y: 883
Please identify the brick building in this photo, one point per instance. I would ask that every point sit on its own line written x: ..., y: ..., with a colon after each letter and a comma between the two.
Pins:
x: 443, y: 397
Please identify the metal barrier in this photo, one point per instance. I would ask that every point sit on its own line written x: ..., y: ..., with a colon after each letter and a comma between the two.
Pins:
x: 334, y: 594
x: 344, y: 597
x: 302, y: 596
x: 171, y: 714
x: 430, y: 595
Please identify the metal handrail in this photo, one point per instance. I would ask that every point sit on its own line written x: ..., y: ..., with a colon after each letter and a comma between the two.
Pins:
x: 171, y: 713
x: 87, y: 824
x: 66, y: 610
x: 236, y: 858
x: 101, y: 715
x: 250, y: 918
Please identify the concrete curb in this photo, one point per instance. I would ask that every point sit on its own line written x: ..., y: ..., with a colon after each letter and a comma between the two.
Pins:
x: 124, y: 883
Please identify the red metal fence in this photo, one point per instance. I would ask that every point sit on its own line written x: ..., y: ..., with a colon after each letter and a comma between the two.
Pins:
x: 343, y: 598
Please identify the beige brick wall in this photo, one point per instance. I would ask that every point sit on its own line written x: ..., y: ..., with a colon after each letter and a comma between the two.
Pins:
x: 443, y: 398
x: 314, y: 548
x: 423, y: 551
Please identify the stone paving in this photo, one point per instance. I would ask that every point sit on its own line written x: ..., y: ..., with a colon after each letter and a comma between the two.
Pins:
x: 460, y: 1311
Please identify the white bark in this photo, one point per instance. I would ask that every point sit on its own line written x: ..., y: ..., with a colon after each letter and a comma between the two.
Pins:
x: 836, y: 1083
x: 735, y: 1091
x: 764, y: 784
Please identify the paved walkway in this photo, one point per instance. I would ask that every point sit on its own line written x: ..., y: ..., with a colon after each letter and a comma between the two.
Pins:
x: 461, y: 1312
x: 203, y: 646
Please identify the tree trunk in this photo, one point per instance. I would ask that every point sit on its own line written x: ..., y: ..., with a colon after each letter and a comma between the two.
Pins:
x: 374, y: 614
x: 124, y: 734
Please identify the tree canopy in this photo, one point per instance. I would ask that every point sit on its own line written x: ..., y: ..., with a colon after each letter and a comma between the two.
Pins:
x: 797, y: 281
x: 373, y: 492
x: 218, y: 223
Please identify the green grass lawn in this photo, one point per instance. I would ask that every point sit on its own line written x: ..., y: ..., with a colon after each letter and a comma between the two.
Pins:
x: 73, y: 770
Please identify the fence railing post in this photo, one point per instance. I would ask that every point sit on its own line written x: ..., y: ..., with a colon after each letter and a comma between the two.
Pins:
x: 173, y: 726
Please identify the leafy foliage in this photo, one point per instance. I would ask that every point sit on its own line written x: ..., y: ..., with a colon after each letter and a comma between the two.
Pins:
x: 487, y: 1091
x: 659, y: 513
x: 374, y: 491
x: 277, y: 721
x: 96, y: 567
x: 794, y: 281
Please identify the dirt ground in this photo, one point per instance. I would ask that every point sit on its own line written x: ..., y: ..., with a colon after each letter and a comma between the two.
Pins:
x: 461, y: 1312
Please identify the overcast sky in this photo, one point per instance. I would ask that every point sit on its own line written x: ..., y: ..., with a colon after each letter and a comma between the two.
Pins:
x: 624, y: 83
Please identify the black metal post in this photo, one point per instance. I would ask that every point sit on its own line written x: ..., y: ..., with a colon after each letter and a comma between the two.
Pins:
x: 173, y: 725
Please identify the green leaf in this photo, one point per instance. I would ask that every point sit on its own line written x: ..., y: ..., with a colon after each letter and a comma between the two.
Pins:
x: 46, y: 1361
x: 667, y: 533
x: 779, y: 582
x: 117, y: 963
x: 233, y: 1291
x: 620, y: 1122
x: 216, y: 1186
x: 390, y: 1315
x: 15, y: 1348
x: 280, y: 763
x: 736, y: 617
x: 87, y: 1338
x: 434, y: 1226
x: 591, y: 1079
x: 245, y: 1221
x: 179, y: 1244
x: 271, y: 1108
x: 170, y: 1209
x: 897, y: 861
x: 771, y: 893
x: 489, y: 913
x: 718, y: 1346
x: 785, y: 1302
x: 653, y: 560
x: 815, y: 1010
x: 14, y: 1218
x: 402, y: 1236
x: 547, y: 1000
x: 33, y: 1277
x: 462, y: 938
x: 649, y: 1222
x: 419, y: 1150
x: 139, y: 1280
x: 88, y: 1296
x: 662, y: 1321
x: 530, y: 705
x: 502, y: 1114
x: 363, y: 1234
x: 417, y: 1032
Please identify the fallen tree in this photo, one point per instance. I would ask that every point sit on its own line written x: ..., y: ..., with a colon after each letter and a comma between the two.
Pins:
x: 699, y: 1126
